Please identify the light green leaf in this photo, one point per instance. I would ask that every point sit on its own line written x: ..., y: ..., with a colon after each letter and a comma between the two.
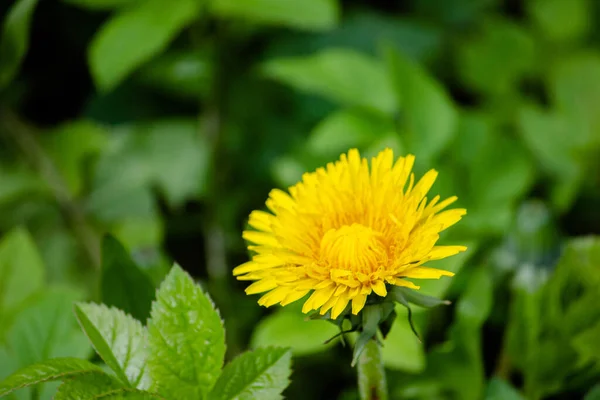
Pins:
x: 401, y: 348
x: 290, y: 329
x: 259, y: 374
x: 575, y: 88
x: 495, y: 59
x: 302, y: 14
x: 587, y: 345
x: 90, y: 386
x: 69, y: 145
x: 102, y: 4
x: 50, y: 370
x: 499, y: 389
x: 346, y: 129
x: 135, y: 35
x: 119, y: 339
x: 46, y: 329
x: 186, y: 74
x: 429, y: 116
x: 562, y: 20
x: 17, y: 183
x: 186, y: 339
x: 123, y: 284
x: 15, y: 39
x: 475, y: 304
x: 21, y: 268
x: 342, y: 75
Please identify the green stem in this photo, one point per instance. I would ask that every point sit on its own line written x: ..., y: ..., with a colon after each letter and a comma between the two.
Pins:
x: 372, y: 384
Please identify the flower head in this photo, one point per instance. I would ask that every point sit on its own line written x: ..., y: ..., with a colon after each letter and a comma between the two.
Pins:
x: 346, y: 231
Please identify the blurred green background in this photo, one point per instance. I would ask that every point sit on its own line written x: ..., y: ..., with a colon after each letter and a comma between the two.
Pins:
x: 165, y: 122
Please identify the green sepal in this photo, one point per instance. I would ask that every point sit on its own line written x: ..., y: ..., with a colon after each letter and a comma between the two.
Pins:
x: 400, y: 298
x: 420, y: 299
x: 371, y: 316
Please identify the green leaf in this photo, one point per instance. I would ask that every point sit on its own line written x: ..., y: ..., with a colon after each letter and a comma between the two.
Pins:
x: 17, y: 183
x: 259, y: 374
x: 562, y: 20
x: 50, y: 370
x: 346, y: 129
x: 124, y: 285
x: 495, y: 59
x: 135, y: 35
x: 371, y: 316
x: 428, y: 113
x: 420, y: 299
x: 118, y: 339
x: 290, y: 329
x: 186, y: 339
x: 499, y: 389
x: 46, y: 329
x: 301, y: 14
x: 15, y: 39
x: 593, y: 394
x: 342, y: 75
x: 402, y: 350
x: 587, y: 345
x: 102, y: 4
x: 186, y: 74
x: 89, y: 386
x: 69, y: 145
x: 21, y: 269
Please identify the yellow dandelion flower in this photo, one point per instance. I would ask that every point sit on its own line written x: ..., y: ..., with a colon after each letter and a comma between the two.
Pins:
x: 346, y: 231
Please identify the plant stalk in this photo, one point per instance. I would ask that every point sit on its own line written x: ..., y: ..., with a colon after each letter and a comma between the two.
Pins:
x: 372, y: 384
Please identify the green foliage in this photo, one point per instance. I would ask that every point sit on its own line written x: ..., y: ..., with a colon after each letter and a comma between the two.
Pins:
x: 124, y: 285
x: 303, y: 14
x: 186, y: 348
x: 289, y: 328
x: 14, y: 40
x: 135, y: 35
x: 251, y: 376
x: 119, y: 339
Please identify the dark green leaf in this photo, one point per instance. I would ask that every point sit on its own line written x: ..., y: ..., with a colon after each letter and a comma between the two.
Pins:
x: 593, y: 394
x: 124, y: 285
x: 429, y: 116
x: 15, y: 39
x: 290, y: 329
x: 102, y: 4
x: 186, y: 339
x: 550, y: 17
x: 341, y: 75
x: 260, y: 374
x: 303, y: 14
x: 21, y: 269
x: 119, y: 339
x: 498, y: 389
x: 135, y: 35
x: 50, y: 370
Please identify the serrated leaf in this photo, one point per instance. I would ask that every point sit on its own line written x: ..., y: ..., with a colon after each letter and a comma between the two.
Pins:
x: 123, y: 284
x: 135, y: 35
x: 89, y: 386
x: 303, y: 14
x: 118, y: 339
x: 290, y: 329
x: 420, y: 97
x: 342, y: 75
x: 186, y: 339
x: 50, y: 370
x: 260, y: 374
x: 15, y: 39
x: 21, y: 268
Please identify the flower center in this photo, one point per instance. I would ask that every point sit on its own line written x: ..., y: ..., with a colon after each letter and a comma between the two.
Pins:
x: 355, y: 248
